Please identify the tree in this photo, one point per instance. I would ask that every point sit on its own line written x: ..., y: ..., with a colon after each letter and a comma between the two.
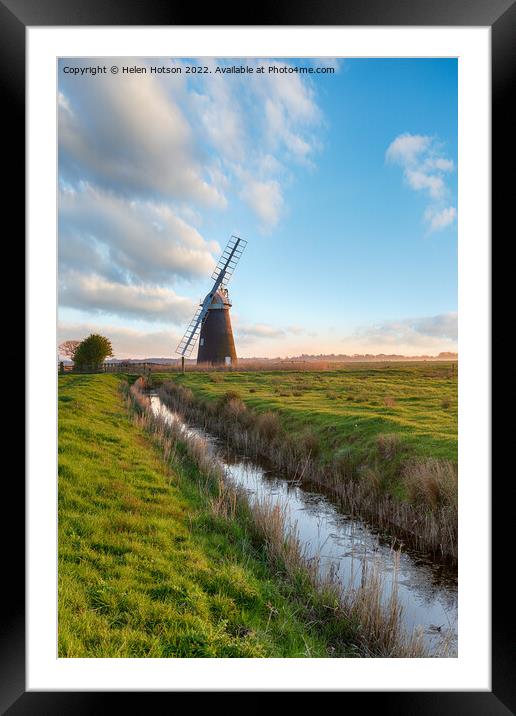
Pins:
x: 92, y: 352
x: 68, y: 348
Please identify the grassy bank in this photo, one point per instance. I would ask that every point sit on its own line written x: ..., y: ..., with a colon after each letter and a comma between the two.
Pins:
x: 146, y: 566
x: 352, y: 406
x: 384, y: 437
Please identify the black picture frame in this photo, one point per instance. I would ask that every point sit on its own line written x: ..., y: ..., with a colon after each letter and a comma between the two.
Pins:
x: 500, y: 15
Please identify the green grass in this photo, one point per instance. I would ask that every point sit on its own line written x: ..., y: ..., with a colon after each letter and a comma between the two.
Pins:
x: 145, y: 569
x: 353, y: 405
x: 362, y: 416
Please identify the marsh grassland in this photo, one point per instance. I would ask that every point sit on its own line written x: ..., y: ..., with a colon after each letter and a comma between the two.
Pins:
x: 147, y: 568
x: 357, y: 404
x: 383, y: 437
x: 159, y: 557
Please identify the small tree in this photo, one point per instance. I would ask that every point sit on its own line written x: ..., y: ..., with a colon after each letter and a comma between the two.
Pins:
x: 92, y: 352
x: 68, y: 348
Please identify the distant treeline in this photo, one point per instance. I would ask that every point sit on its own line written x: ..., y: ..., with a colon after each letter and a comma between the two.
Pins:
x: 360, y: 357
x: 326, y: 357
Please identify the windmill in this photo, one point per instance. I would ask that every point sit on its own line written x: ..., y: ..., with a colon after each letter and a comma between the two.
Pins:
x: 211, y: 322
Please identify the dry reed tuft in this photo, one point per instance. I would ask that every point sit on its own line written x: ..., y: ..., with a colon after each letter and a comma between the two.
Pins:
x: 225, y: 503
x: 217, y: 377
x: 379, y: 620
x: 372, y: 478
x: 309, y: 445
x: 235, y: 407
x: 267, y: 425
x: 282, y: 543
x: 432, y: 482
x: 388, y: 445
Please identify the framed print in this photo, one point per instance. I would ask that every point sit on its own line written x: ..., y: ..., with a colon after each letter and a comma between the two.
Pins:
x: 282, y: 481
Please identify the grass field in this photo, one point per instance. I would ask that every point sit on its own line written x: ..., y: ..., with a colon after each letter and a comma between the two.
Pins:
x: 145, y: 567
x: 378, y: 416
x: 417, y: 401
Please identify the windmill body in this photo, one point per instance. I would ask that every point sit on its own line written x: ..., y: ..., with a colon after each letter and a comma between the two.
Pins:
x: 211, y: 322
x: 216, y: 342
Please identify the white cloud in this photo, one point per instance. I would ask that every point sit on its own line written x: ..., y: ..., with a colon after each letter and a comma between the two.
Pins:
x: 407, y: 148
x: 291, y: 92
x: 125, y: 133
x: 280, y: 130
x: 259, y: 125
x: 420, y: 180
x: 444, y: 165
x: 129, y: 239
x: 439, y: 219
x: 260, y: 330
x: 264, y: 331
x: 142, y: 159
x: 218, y: 108
x: 426, y: 331
x: 63, y: 103
x: 424, y: 170
x: 99, y: 295
x: 265, y: 198
x: 147, y: 137
x: 336, y: 63
x: 444, y: 325
x: 114, y: 253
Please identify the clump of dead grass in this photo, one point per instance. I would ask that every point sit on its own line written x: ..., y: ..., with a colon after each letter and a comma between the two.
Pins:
x: 389, y: 445
x: 217, y: 377
x: 309, y: 444
x: 431, y: 482
x: 267, y: 425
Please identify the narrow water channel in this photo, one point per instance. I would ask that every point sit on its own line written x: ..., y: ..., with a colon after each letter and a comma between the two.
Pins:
x: 426, y: 589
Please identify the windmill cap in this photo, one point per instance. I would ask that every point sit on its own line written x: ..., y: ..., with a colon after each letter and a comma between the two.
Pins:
x: 220, y: 300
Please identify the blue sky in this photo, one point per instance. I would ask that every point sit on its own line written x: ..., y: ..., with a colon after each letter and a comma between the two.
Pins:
x: 344, y: 184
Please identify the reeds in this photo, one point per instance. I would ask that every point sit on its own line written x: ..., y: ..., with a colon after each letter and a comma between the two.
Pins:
x: 361, y: 615
x: 432, y: 482
x: 372, y: 612
x: 380, y: 618
x: 427, y: 522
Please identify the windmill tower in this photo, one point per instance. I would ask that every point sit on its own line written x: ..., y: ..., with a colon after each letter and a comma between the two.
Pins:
x: 211, y: 322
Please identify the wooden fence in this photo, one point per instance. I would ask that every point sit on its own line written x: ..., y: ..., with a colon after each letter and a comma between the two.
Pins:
x: 143, y: 368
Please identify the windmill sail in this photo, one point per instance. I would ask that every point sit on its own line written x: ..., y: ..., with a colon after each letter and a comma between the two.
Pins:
x: 221, y: 275
x: 188, y: 341
x: 228, y: 260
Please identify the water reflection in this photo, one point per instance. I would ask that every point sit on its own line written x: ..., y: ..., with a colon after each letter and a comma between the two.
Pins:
x: 426, y: 589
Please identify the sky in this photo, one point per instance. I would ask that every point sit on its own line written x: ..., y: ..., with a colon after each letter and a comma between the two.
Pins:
x: 344, y: 184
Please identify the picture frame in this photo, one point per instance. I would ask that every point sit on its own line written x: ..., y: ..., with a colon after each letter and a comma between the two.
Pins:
x: 500, y: 15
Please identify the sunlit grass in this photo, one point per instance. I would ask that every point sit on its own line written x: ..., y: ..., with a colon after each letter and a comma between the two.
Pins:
x: 371, y: 432
x: 417, y: 401
x: 351, y: 409
x: 146, y: 569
